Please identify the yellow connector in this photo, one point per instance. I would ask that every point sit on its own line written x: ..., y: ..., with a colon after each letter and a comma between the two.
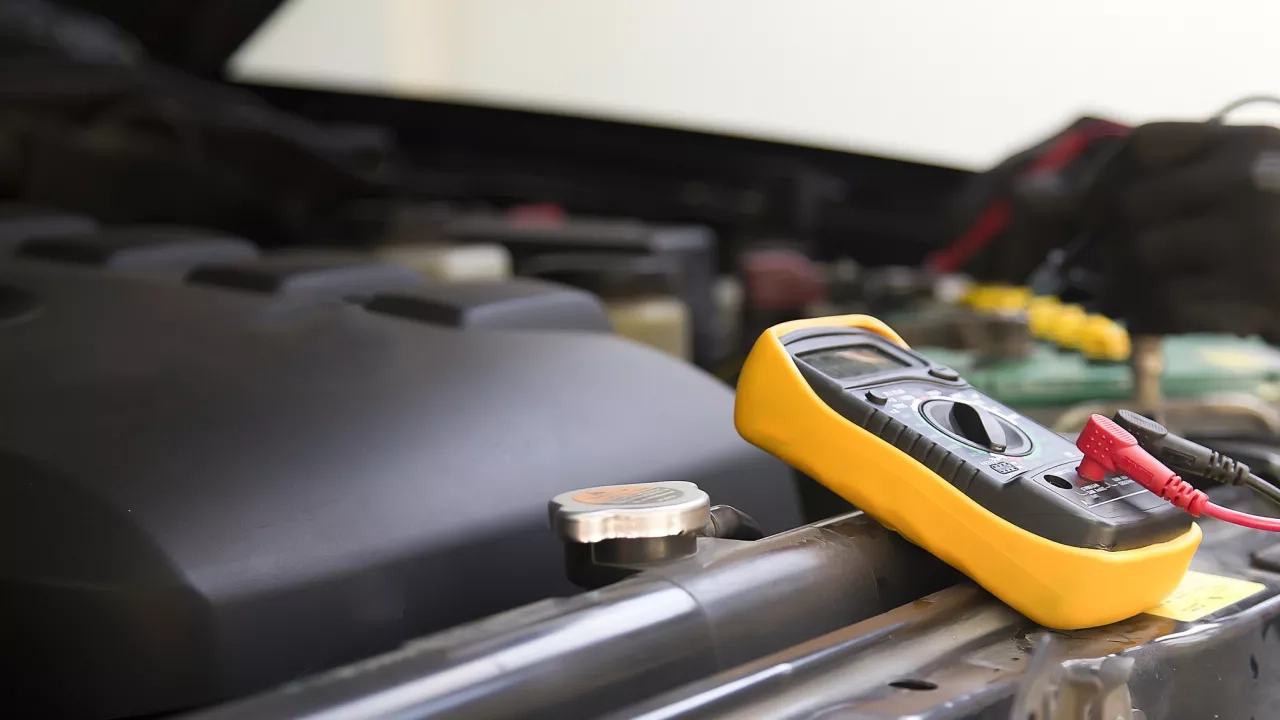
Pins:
x: 998, y: 298
x: 1102, y: 338
x: 977, y: 296
x: 1016, y: 298
x: 1067, y: 326
x: 1042, y: 312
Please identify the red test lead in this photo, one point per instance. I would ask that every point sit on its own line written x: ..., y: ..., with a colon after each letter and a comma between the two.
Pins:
x: 1109, y: 448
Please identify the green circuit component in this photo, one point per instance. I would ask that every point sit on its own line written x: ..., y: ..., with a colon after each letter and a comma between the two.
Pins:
x: 1194, y: 365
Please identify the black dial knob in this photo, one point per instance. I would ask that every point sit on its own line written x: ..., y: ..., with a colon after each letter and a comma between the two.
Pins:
x: 977, y: 426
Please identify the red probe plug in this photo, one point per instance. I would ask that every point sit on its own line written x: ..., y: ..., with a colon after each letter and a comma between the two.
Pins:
x: 1107, y: 447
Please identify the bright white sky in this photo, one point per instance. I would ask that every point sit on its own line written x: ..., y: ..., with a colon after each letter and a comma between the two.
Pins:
x: 956, y: 82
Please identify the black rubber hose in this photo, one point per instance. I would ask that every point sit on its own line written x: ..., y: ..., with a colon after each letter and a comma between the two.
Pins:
x: 597, y: 652
x: 730, y: 523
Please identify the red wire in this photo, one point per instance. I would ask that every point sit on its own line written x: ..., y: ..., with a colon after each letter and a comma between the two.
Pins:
x: 993, y: 220
x: 1236, y: 517
x: 990, y: 223
x: 1072, y: 144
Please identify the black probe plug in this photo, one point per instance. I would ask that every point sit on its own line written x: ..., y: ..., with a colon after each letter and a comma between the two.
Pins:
x: 1191, y: 459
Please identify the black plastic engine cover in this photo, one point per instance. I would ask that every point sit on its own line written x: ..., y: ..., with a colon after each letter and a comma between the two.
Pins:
x: 205, y: 491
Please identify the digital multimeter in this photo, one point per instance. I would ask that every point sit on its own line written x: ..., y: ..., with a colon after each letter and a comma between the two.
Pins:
x: 991, y: 493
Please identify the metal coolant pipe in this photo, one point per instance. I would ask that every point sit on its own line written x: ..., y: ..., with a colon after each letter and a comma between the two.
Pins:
x: 806, y: 680
x: 730, y: 603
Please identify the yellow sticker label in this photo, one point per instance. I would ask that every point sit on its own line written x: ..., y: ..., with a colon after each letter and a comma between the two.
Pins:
x: 1234, y: 359
x: 1200, y: 594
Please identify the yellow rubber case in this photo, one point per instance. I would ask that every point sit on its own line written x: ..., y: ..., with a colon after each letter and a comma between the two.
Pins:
x: 1056, y: 585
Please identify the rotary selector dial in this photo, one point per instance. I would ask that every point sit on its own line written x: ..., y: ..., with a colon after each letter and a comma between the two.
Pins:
x: 976, y: 425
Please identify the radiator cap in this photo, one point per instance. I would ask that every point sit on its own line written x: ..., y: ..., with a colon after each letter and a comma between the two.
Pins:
x: 613, y: 512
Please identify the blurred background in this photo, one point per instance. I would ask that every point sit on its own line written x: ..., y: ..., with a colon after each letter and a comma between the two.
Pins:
x: 307, y: 307
x: 956, y: 84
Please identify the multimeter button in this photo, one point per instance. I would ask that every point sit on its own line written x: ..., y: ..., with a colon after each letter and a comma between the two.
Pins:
x: 978, y: 426
x: 875, y: 397
x: 944, y: 373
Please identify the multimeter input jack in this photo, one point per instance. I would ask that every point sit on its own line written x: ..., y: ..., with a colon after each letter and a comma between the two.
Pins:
x: 1110, y: 448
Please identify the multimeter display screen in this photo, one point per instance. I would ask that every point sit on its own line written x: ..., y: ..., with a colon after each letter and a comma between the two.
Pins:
x: 850, y: 362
